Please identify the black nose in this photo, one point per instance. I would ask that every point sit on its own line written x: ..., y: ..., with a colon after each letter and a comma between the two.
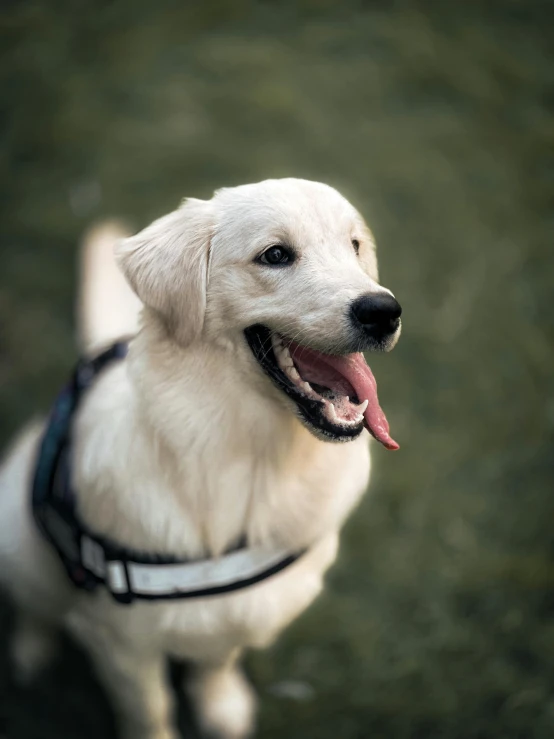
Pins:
x: 377, y: 315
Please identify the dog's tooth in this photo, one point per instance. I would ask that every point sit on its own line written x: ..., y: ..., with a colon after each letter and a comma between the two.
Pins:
x: 286, y: 356
x: 361, y: 408
x: 280, y: 355
x: 292, y: 373
x: 332, y: 412
x: 307, y: 387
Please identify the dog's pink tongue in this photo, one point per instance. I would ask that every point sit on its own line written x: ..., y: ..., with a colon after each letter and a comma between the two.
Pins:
x: 356, y: 372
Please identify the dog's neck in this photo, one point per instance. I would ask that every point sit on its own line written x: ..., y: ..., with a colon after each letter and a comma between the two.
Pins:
x: 212, y: 398
x: 216, y: 455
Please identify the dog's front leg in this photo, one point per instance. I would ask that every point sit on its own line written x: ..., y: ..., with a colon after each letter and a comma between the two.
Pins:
x: 136, y: 681
x: 223, y: 700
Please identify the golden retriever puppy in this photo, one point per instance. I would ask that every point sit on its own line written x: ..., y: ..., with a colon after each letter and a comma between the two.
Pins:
x: 189, y: 487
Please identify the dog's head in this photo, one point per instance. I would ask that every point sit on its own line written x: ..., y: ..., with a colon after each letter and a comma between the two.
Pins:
x: 288, y: 269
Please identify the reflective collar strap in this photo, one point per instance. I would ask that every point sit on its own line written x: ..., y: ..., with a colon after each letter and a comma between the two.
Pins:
x: 128, y: 580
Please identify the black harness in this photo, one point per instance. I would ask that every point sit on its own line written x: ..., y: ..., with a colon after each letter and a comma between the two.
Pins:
x: 91, y: 560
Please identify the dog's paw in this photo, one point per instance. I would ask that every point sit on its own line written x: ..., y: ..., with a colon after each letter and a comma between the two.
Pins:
x: 225, y: 703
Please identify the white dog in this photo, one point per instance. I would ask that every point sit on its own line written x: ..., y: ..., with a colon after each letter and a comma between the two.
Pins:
x: 209, y: 445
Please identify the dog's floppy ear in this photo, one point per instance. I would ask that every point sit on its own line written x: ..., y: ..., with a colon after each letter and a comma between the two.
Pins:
x: 166, y: 264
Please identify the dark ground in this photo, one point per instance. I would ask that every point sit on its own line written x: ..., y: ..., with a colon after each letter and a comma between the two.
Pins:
x: 436, y: 119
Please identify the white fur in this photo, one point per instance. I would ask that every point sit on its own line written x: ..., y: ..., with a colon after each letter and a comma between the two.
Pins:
x: 187, y: 445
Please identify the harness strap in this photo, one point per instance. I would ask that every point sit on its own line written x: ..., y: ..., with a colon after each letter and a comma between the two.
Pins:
x: 91, y: 560
x: 128, y: 580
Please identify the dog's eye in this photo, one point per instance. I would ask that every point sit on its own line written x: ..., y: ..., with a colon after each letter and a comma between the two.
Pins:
x: 276, y: 255
x: 356, y: 245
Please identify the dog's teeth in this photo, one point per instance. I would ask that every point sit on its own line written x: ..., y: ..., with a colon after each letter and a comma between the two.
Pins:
x: 286, y: 356
x: 283, y: 357
x: 362, y: 407
x: 292, y: 373
x: 307, y: 387
x: 332, y: 412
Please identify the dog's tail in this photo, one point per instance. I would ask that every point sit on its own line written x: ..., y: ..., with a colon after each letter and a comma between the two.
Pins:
x: 107, y: 310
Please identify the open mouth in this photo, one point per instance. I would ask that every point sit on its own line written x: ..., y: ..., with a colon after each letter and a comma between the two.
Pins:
x: 336, y: 396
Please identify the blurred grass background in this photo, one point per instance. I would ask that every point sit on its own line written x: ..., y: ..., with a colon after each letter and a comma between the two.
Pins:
x: 436, y: 119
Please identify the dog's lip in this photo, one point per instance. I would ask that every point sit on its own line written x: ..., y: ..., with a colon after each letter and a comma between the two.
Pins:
x: 262, y: 342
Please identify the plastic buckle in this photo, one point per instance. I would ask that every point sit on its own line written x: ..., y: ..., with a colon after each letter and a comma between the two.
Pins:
x: 117, y: 581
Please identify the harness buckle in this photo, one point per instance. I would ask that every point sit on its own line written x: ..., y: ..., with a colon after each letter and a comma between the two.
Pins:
x: 117, y: 581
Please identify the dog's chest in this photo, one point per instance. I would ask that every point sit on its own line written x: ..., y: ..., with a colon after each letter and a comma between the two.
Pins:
x: 212, y: 627
x: 215, y: 494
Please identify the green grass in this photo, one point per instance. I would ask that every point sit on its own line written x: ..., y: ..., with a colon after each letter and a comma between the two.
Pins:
x: 436, y: 119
